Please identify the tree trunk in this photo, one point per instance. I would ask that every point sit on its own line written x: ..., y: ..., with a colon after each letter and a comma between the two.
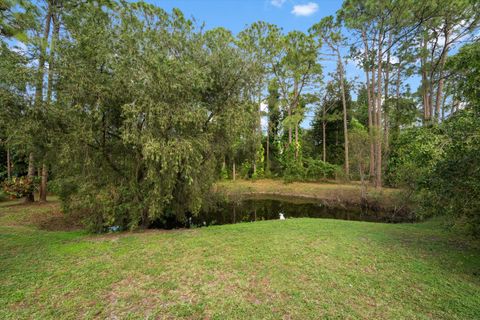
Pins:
x: 31, y: 176
x: 374, y: 130
x: 267, y: 164
x: 370, y: 95
x: 296, y: 141
x: 9, y: 168
x: 233, y: 171
x: 386, y: 129
x: 438, y: 100
x: 43, y: 186
x: 259, y: 133
x: 378, y: 174
x: 425, y: 85
x: 362, y: 180
x: 294, y: 109
x: 39, y: 88
x: 324, y: 142
x: 443, y: 107
x: 345, y: 120
x: 41, y: 60
x: 289, y: 126
x: 399, y: 72
x: 51, y: 62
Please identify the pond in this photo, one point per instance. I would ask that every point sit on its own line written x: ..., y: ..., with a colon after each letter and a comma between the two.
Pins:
x: 270, y: 207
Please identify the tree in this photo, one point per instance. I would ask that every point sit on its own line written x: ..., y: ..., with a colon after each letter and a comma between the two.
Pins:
x: 329, y: 31
x: 327, y: 124
x: 464, y: 68
x: 292, y: 60
x: 273, y: 125
x: 447, y: 23
x: 17, y: 18
x: 381, y: 25
x: 360, y: 151
x: 135, y: 161
x: 15, y: 74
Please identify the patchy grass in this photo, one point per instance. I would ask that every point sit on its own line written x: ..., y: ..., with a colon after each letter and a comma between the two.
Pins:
x: 293, y: 269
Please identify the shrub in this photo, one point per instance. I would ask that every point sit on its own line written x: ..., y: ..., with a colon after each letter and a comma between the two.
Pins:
x: 414, y: 155
x: 293, y: 169
x: 246, y: 170
x: 19, y: 187
x: 3, y: 196
x: 224, y: 173
x: 112, y: 206
x: 453, y: 188
x: 319, y: 170
x: 307, y: 169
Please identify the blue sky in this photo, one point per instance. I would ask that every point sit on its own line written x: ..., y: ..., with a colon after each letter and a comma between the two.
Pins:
x: 236, y: 14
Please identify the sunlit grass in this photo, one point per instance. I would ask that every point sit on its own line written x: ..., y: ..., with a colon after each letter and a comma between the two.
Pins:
x: 293, y: 269
x: 329, y: 191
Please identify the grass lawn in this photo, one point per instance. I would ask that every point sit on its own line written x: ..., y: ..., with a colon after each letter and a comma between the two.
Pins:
x: 293, y: 269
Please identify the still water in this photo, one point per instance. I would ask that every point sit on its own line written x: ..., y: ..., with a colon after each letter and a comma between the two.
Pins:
x: 268, y: 208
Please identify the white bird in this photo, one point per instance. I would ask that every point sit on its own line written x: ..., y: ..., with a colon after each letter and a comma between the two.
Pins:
x: 282, y: 217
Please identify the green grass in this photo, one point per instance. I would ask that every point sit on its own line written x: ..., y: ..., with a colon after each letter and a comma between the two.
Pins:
x: 293, y: 269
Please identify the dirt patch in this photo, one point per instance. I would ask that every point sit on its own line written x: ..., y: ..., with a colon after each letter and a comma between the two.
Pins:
x: 58, y: 221
x: 44, y: 216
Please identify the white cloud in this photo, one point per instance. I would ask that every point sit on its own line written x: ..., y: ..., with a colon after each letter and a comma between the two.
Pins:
x: 305, y: 9
x: 263, y: 106
x: 277, y: 3
x: 394, y: 59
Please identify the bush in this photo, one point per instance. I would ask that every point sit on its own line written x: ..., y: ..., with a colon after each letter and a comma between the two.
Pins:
x: 307, y: 169
x: 293, y: 169
x: 112, y: 206
x: 319, y: 170
x: 453, y: 188
x: 246, y: 170
x: 19, y: 187
x: 3, y: 196
x: 415, y: 152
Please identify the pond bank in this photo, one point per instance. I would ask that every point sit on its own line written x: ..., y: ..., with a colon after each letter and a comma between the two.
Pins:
x: 331, y: 194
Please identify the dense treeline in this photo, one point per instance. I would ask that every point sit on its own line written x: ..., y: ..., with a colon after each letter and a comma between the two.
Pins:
x: 132, y: 113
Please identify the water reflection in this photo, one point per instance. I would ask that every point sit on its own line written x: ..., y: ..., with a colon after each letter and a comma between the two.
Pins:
x: 268, y: 208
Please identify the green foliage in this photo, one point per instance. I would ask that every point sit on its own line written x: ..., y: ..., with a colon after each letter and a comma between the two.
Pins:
x: 293, y: 169
x: 224, y: 173
x: 359, y: 147
x: 143, y: 109
x: 16, y: 16
x: 259, y: 163
x: 465, y: 67
x: 19, y: 187
x: 306, y: 169
x: 330, y: 114
x: 414, y: 155
x: 246, y: 170
x: 317, y: 170
x: 454, y: 185
x: 150, y: 103
x: 439, y: 168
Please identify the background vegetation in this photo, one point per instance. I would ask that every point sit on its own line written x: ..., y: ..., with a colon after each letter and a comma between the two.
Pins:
x: 133, y: 113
